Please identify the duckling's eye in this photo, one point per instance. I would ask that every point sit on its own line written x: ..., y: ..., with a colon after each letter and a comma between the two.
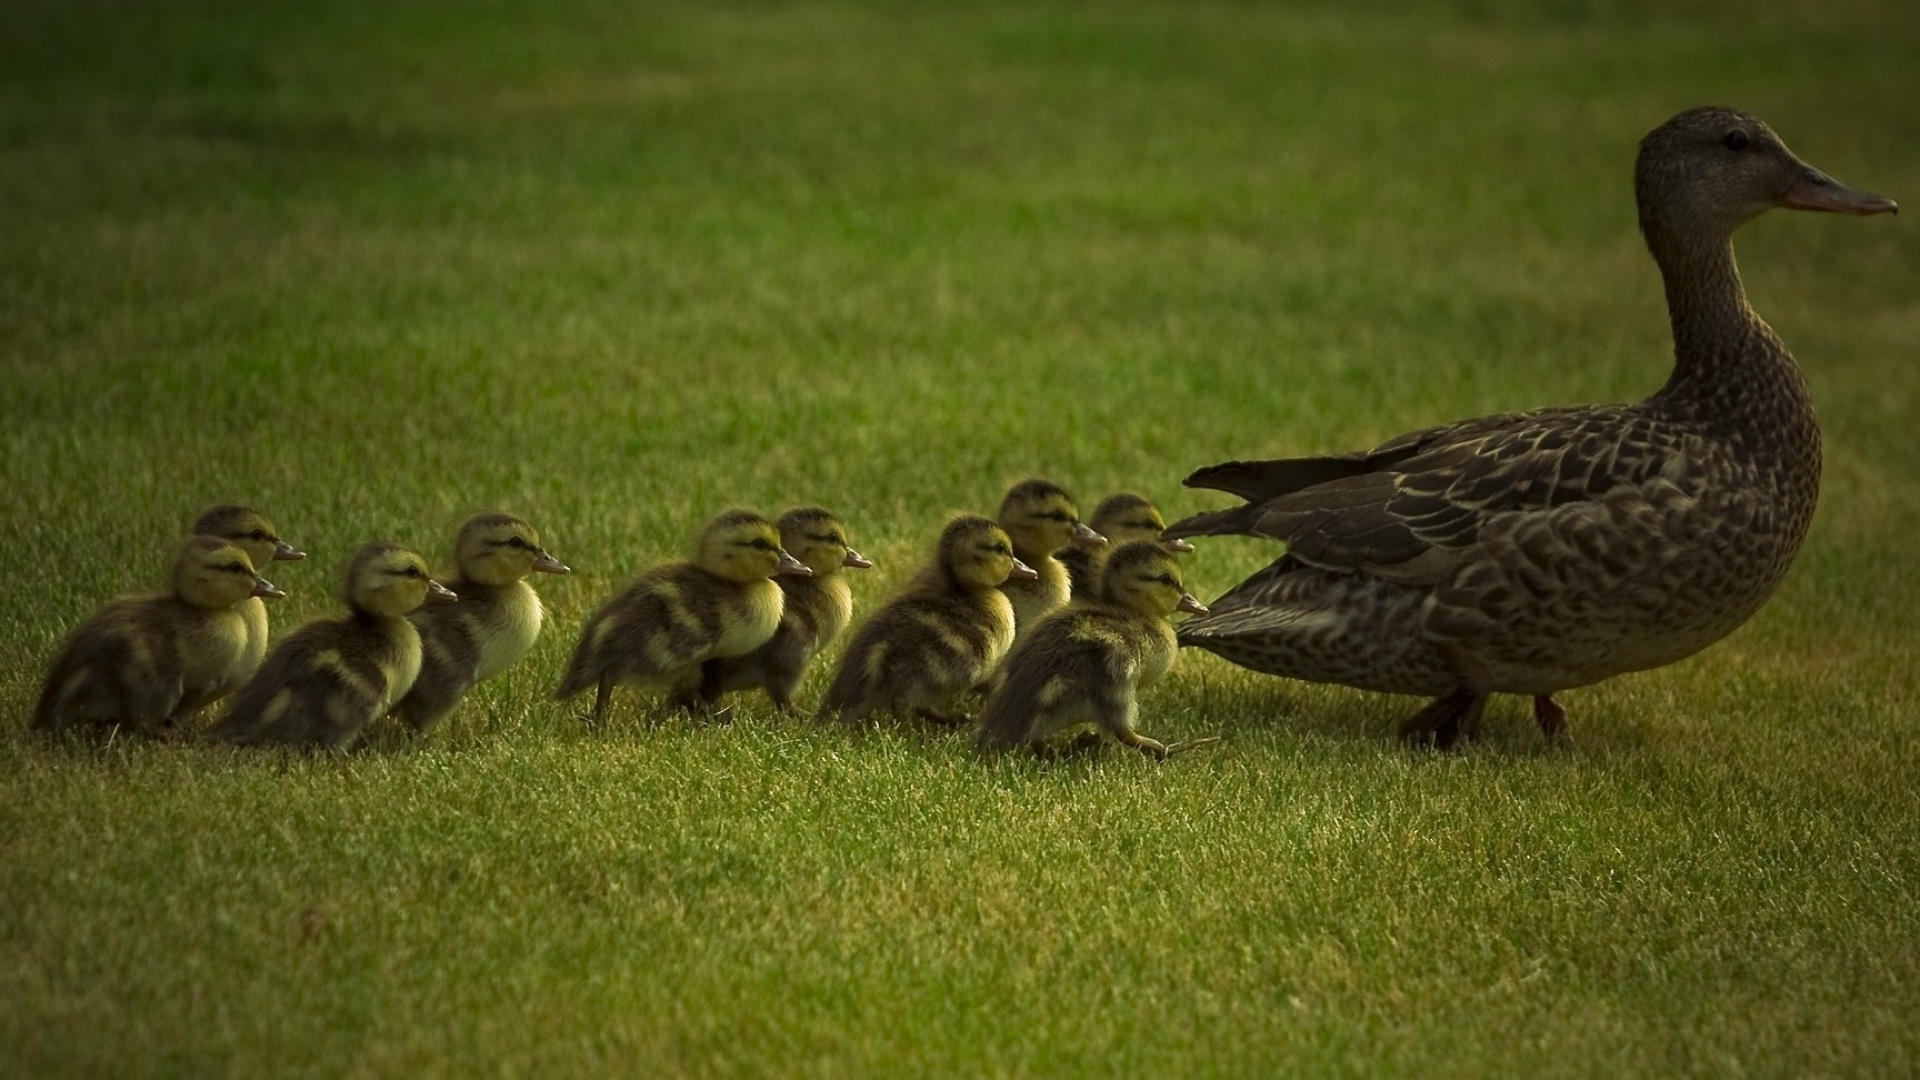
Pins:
x: 411, y: 571
x: 1000, y: 549
x: 761, y: 545
x: 1736, y: 140
x: 258, y: 534
x: 1167, y: 579
x: 516, y: 542
x: 235, y: 568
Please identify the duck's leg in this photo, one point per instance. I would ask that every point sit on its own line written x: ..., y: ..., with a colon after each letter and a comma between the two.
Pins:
x: 601, y: 695
x: 1445, y: 719
x: 1550, y: 716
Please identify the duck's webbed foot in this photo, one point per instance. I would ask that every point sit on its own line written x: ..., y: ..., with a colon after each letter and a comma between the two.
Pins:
x: 1446, y: 720
x: 1551, y: 717
x: 944, y: 719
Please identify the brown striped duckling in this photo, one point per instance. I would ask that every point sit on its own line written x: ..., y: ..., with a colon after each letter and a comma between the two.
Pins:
x: 1086, y: 663
x: 152, y: 661
x: 1120, y: 518
x: 322, y: 685
x: 250, y: 531
x: 818, y: 607
x: 943, y: 635
x: 493, y: 626
x: 659, y: 630
x: 1041, y: 518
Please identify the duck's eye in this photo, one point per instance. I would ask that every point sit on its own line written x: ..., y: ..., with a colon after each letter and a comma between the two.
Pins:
x: 258, y: 534
x: 761, y: 545
x: 411, y: 571
x: 1736, y: 140
x: 1167, y: 579
x: 516, y: 542
x: 235, y: 568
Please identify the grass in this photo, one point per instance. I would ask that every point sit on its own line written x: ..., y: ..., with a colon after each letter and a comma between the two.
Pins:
x: 370, y: 266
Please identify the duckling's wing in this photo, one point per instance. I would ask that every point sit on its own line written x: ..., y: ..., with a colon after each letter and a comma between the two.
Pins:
x: 1422, y: 501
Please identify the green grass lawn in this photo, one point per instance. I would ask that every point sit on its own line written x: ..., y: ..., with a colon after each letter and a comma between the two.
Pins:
x: 370, y: 266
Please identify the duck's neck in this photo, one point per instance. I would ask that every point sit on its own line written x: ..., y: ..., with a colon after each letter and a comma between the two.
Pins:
x: 1728, y: 364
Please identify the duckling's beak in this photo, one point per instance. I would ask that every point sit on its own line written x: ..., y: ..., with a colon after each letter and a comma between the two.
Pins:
x: 1814, y: 190
x: 1177, y: 546
x: 264, y: 589
x: 791, y: 565
x: 440, y: 594
x: 285, y: 552
x: 1022, y: 572
x: 856, y: 561
x: 1086, y: 537
x: 1191, y: 606
x: 547, y: 564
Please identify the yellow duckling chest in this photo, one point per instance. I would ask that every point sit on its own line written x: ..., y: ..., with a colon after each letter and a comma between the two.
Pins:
x: 751, y: 619
x: 402, y: 664
x: 1158, y: 649
x: 506, y: 627
x: 221, y: 649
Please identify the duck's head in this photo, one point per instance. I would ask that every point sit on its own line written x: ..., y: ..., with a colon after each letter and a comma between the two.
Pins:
x: 740, y: 545
x: 389, y: 580
x: 1041, y: 518
x: 249, y: 529
x: 496, y: 548
x: 819, y: 540
x: 1127, y: 516
x: 1712, y: 169
x: 213, y: 573
x: 1142, y: 576
x: 979, y: 554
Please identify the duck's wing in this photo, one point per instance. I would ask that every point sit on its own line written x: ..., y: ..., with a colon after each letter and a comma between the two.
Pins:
x: 1412, y: 509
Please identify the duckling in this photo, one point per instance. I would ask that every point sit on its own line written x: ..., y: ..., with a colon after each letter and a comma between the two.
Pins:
x: 326, y: 682
x: 1121, y: 517
x: 250, y: 531
x: 154, y: 660
x: 1085, y: 663
x: 817, y: 609
x: 940, y: 637
x: 1041, y: 518
x: 492, y: 627
x: 660, y: 629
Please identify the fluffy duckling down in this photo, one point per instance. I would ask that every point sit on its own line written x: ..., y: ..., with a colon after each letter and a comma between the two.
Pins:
x: 1042, y: 519
x: 659, y: 630
x: 1086, y: 664
x: 493, y: 626
x: 324, y: 684
x: 152, y: 661
x: 1121, y: 517
x: 817, y: 608
x: 943, y: 635
x: 250, y: 531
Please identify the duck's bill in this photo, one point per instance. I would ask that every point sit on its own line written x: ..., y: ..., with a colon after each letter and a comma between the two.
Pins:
x: 856, y: 561
x: 1191, y: 606
x: 1022, y: 572
x: 1086, y: 537
x: 440, y: 594
x: 1815, y: 190
x: 547, y: 564
x: 1177, y: 546
x: 266, y: 590
x: 285, y: 552
x: 791, y: 565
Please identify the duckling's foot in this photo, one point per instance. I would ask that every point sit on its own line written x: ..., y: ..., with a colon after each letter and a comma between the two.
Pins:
x: 943, y: 718
x: 1551, y: 717
x: 1185, y: 745
x: 1444, y: 721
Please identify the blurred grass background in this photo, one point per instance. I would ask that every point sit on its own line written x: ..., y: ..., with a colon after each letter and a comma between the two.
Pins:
x: 616, y: 266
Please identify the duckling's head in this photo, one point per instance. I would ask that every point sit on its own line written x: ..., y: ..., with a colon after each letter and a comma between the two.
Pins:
x: 1127, y: 516
x: 213, y: 573
x: 1709, y: 170
x: 248, y: 528
x: 496, y: 548
x: 740, y: 545
x: 388, y: 580
x: 1142, y: 576
x: 976, y: 553
x: 1040, y: 517
x: 819, y: 539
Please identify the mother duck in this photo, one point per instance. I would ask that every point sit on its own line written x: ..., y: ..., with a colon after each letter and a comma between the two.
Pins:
x: 1529, y: 553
